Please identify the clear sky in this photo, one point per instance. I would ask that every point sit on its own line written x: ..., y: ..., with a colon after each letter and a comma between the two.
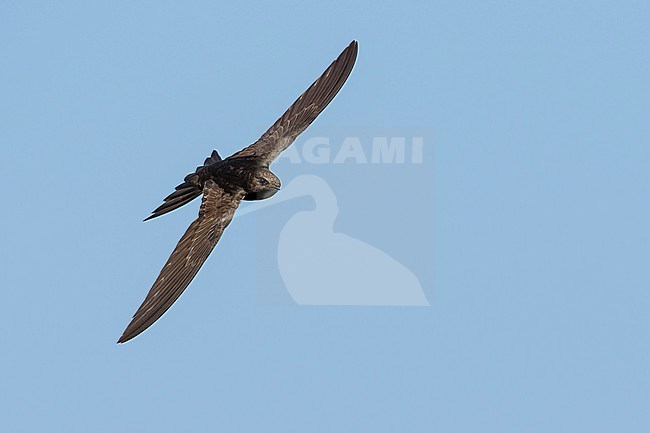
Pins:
x: 524, y: 222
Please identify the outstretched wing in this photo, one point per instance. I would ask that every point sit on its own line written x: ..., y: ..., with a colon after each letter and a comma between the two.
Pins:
x: 217, y: 210
x: 303, y: 112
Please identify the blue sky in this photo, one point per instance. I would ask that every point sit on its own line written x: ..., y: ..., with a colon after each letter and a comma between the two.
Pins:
x: 526, y: 222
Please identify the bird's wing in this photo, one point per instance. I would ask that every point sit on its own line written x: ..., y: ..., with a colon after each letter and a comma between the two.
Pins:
x: 217, y: 210
x: 303, y: 112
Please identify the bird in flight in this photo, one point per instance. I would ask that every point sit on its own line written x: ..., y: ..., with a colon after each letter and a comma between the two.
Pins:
x: 224, y: 183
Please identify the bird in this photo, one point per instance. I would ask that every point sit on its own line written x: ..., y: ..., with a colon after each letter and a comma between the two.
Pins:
x: 224, y: 184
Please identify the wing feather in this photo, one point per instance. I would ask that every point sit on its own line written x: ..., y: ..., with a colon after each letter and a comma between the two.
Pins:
x: 216, y: 212
x: 304, y: 110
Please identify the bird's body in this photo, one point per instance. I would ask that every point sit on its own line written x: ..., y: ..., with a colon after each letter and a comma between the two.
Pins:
x: 224, y: 183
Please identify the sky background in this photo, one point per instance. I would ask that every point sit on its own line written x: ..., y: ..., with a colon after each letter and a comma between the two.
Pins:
x: 527, y: 222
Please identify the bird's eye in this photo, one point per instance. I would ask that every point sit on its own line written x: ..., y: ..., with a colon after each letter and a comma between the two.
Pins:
x: 263, y: 181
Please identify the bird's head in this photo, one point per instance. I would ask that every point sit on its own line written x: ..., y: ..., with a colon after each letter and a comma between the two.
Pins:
x: 261, y: 184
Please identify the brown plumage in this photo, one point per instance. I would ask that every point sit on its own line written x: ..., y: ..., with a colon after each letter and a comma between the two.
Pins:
x: 244, y: 175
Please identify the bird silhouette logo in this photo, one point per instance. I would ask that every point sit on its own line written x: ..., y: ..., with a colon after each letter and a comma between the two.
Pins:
x: 321, y: 267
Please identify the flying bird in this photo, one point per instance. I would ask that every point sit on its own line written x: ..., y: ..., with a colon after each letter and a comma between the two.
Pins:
x: 224, y: 183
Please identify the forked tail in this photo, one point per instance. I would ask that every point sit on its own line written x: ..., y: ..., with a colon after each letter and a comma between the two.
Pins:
x: 187, y: 191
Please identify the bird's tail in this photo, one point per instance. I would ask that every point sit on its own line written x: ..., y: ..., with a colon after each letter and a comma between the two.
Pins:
x: 187, y: 191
